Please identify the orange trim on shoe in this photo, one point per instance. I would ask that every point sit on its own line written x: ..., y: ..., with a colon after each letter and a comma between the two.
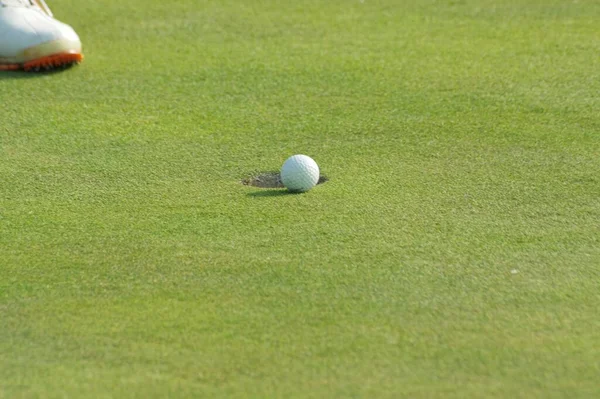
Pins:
x: 48, y: 63
x: 55, y: 61
x: 9, y: 67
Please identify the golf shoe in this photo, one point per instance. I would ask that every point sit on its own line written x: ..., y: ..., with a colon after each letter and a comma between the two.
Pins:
x: 32, y: 40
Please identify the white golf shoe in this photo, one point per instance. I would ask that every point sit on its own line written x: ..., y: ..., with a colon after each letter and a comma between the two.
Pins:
x: 32, y: 40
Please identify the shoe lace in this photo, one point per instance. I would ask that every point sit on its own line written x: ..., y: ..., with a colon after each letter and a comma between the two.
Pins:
x: 41, y: 4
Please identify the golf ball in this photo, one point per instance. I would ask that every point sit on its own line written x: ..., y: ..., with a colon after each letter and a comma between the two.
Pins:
x: 299, y: 173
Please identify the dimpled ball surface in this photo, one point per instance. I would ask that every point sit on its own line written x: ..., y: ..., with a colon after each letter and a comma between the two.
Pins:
x: 299, y: 173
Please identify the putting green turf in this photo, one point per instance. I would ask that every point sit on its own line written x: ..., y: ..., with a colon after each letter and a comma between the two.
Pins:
x: 455, y: 251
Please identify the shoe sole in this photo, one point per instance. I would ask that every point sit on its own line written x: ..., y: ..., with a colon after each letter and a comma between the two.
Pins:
x: 46, y: 64
x: 54, y: 55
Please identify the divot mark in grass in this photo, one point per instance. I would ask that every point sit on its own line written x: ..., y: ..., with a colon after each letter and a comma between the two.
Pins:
x: 271, y: 180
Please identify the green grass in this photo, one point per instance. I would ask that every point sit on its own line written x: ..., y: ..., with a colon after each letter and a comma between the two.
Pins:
x: 455, y: 251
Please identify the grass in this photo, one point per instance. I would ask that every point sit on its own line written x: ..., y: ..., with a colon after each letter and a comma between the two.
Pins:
x: 454, y: 252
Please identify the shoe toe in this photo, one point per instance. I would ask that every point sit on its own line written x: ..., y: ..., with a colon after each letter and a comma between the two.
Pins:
x: 36, y: 41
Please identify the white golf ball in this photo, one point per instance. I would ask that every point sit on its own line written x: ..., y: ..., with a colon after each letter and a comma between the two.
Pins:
x: 299, y: 173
